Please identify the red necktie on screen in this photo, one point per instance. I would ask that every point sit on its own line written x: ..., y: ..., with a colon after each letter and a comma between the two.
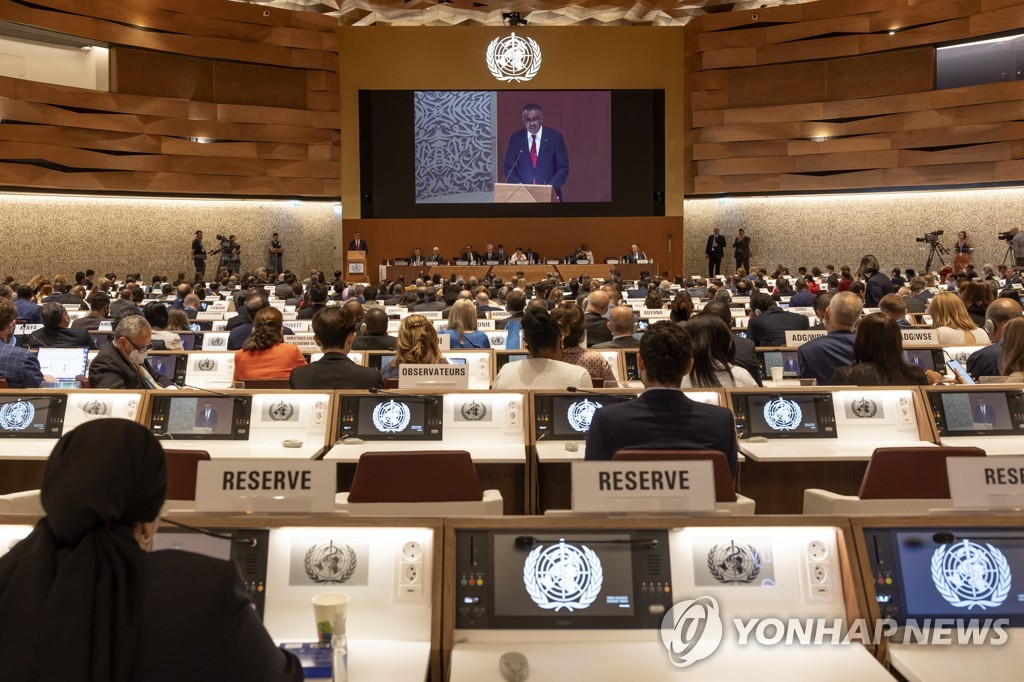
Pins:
x: 533, y: 152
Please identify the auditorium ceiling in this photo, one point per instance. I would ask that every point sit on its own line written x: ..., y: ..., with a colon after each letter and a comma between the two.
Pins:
x: 537, y: 12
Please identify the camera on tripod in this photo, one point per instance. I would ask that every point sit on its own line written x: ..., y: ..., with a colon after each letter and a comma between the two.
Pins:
x: 930, y: 237
x: 1006, y: 236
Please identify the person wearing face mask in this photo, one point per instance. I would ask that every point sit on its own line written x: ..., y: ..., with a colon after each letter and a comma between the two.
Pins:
x: 19, y: 367
x: 84, y: 597
x: 121, y: 363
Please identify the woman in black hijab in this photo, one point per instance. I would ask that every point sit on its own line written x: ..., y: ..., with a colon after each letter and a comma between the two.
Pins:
x: 82, y: 600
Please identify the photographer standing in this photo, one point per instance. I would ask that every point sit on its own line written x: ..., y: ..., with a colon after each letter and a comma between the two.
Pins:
x: 1017, y: 240
x: 230, y: 254
x: 199, y: 256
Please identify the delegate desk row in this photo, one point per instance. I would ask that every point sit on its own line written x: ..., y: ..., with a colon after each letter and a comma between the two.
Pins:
x: 934, y: 599
x: 523, y: 444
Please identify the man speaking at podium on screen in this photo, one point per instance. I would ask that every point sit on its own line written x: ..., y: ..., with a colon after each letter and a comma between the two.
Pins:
x: 536, y: 155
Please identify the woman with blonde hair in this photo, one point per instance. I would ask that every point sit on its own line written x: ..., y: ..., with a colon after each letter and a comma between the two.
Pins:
x: 416, y: 345
x: 953, y: 325
x: 264, y: 354
x: 1011, y: 359
x: 462, y: 327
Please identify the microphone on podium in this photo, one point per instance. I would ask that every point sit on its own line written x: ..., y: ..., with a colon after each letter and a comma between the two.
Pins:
x: 514, y: 164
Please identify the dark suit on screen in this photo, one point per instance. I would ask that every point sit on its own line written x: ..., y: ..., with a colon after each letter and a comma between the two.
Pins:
x: 205, y: 421
x: 552, y: 160
x: 335, y: 371
x: 662, y: 419
x: 984, y: 414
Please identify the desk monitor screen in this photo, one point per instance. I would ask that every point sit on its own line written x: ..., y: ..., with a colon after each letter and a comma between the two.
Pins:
x: 959, y: 573
x: 201, y: 417
x: 785, y: 415
x: 561, y: 579
x: 387, y: 417
x: 568, y: 417
x: 188, y: 341
x: 632, y: 366
x: 37, y: 416
x: 501, y: 359
x: 251, y: 561
x: 787, y: 359
x: 978, y: 413
x: 379, y: 361
x: 64, y: 364
x: 925, y: 358
x: 170, y: 366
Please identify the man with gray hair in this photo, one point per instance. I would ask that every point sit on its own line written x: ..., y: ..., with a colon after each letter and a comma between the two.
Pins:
x: 121, y: 363
x: 985, y: 362
x: 821, y: 357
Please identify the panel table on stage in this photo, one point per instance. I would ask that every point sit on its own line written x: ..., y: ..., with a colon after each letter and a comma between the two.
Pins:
x: 411, y: 272
x: 532, y: 273
x: 600, y: 270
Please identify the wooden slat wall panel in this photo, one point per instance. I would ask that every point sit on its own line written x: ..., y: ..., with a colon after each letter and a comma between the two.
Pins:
x: 819, y: 97
x: 261, y: 91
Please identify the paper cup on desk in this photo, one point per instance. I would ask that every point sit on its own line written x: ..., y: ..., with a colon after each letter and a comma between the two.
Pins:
x: 329, y: 609
x: 776, y: 373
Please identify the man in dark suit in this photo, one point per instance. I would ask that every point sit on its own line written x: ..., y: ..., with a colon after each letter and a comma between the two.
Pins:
x: 357, y: 243
x: 769, y: 322
x: 317, y: 301
x: 741, y: 250
x: 536, y: 155
x: 28, y: 309
x: 375, y: 337
x: 663, y: 418
x: 55, y: 332
x: 335, y: 331
x: 100, y: 305
x: 597, y: 323
x: 917, y: 302
x: 191, y: 308
x: 635, y: 254
x: 715, y: 250
x: 489, y: 254
x: 121, y: 363
x: 19, y: 367
x: 821, y: 357
x: 199, y: 256
x: 984, y: 413
x: 985, y: 362
x: 470, y: 255
x: 515, y: 304
x: 746, y: 356
x: 620, y: 324
x: 207, y: 417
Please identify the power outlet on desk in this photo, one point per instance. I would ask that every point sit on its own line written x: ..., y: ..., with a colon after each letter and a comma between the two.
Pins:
x: 820, y: 571
x: 409, y: 586
x: 514, y: 414
x: 905, y: 410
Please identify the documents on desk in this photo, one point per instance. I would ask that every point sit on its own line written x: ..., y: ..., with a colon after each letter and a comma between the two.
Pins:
x: 34, y: 420
x: 695, y: 609
x: 824, y: 424
x: 490, y: 426
x: 245, y: 424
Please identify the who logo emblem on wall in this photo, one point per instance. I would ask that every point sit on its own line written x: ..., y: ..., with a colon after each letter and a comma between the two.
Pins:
x: 330, y: 563
x: 513, y: 58
x: 969, y: 574
x: 563, y: 576
x: 734, y: 564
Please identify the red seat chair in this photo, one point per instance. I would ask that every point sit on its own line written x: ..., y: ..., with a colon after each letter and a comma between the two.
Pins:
x: 182, y: 467
x: 428, y: 476
x: 910, y: 473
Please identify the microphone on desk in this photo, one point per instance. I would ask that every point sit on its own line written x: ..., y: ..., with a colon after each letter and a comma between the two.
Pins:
x: 514, y: 164
x: 236, y: 398
x: 387, y: 392
x: 613, y: 396
x: 248, y: 542
x: 529, y: 541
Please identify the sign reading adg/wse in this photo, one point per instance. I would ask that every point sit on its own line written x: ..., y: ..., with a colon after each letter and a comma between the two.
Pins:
x: 665, y: 486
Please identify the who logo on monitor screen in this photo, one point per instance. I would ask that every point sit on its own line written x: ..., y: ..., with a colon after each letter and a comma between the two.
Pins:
x: 513, y: 59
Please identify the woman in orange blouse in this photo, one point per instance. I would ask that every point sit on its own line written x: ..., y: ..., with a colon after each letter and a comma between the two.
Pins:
x: 264, y: 354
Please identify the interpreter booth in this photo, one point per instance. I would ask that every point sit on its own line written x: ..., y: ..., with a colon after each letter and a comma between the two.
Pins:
x: 389, y: 568
x: 987, y: 416
x: 32, y: 420
x: 559, y: 427
x: 802, y: 437
x: 610, y: 599
x: 242, y: 424
x: 951, y: 591
x: 491, y: 426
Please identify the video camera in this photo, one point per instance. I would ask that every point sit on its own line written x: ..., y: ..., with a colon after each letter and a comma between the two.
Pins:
x: 1006, y: 236
x: 930, y: 237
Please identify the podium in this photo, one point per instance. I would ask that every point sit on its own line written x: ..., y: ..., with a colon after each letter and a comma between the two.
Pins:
x: 518, y: 193
x: 355, y: 268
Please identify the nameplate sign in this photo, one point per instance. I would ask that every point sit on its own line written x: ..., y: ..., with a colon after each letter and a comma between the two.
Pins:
x: 643, y: 487
x: 265, y: 485
x: 986, y: 482
x: 802, y: 310
x: 444, y: 342
x: 498, y: 314
x: 655, y: 314
x: 298, y: 325
x: 394, y: 310
x: 920, y: 337
x: 643, y: 261
x: 800, y: 337
x: 1018, y: 286
x: 105, y: 326
x: 303, y: 340
x: 23, y: 329
x: 870, y: 311
x: 433, y: 376
x: 485, y: 325
x: 430, y: 314
x: 210, y: 316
